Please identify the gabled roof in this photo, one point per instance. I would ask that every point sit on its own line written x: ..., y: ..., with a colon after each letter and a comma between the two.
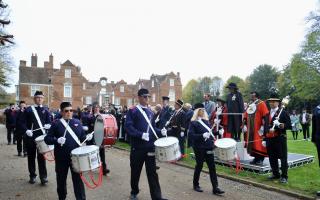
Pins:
x: 67, y: 63
x: 37, y: 75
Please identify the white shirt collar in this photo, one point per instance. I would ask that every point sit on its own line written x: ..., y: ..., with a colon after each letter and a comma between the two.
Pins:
x: 35, y: 105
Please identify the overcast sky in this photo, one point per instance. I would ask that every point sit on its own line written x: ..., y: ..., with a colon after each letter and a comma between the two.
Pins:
x: 131, y: 39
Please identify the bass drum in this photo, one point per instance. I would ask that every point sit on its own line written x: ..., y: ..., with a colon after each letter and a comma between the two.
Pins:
x: 105, y: 130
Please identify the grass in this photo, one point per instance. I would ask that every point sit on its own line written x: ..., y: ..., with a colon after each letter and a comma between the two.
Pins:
x: 304, y: 180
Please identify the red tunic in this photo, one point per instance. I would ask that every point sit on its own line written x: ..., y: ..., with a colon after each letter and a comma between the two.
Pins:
x: 223, y: 122
x: 254, y: 122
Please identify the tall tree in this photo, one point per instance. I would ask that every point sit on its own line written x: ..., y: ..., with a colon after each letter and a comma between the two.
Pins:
x: 262, y: 79
x: 189, y: 93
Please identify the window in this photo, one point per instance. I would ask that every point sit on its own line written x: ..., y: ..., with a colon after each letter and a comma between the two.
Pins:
x: 117, y: 101
x: 171, y: 82
x: 129, y: 102
x: 67, y: 73
x: 121, y: 88
x: 172, y: 95
x: 152, y: 83
x: 88, y: 100
x: 33, y: 89
x: 67, y: 90
x: 83, y: 86
x: 153, y: 97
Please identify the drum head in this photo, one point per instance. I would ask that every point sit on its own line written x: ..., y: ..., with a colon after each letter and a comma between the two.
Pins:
x: 84, y: 150
x: 225, y: 143
x: 166, y: 141
x: 40, y: 138
x: 98, y: 130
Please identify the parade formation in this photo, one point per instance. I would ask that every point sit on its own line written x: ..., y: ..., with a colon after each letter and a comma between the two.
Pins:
x: 77, y: 141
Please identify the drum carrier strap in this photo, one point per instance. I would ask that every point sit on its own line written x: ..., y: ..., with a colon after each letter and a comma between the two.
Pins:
x: 147, y: 119
x: 206, y: 127
x: 38, y: 119
x: 70, y: 131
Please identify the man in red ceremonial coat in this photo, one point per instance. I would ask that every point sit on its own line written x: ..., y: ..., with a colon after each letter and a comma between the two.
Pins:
x: 256, y: 120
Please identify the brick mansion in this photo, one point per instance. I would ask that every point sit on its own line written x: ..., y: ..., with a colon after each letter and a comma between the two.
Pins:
x: 67, y: 83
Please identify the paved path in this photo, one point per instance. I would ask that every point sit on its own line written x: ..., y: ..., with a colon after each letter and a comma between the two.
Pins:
x: 176, y: 182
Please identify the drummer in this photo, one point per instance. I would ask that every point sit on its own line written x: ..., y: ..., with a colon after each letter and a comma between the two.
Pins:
x: 203, y: 148
x: 142, y: 146
x: 63, y: 145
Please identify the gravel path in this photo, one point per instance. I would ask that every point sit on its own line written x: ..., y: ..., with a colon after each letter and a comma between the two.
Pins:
x: 176, y: 181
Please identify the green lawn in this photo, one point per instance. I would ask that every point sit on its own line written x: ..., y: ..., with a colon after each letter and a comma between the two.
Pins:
x: 304, y: 180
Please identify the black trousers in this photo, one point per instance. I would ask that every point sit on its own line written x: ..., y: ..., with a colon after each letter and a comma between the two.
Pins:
x: 277, y: 149
x: 201, y: 156
x: 62, y: 168
x: 182, y: 141
x: 32, y: 154
x: 102, y: 154
x: 137, y: 158
x: 257, y: 157
x: 21, y: 143
x: 317, y: 143
x: 305, y: 130
x: 10, y: 131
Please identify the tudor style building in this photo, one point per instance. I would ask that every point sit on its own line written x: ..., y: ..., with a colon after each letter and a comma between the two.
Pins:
x: 68, y: 84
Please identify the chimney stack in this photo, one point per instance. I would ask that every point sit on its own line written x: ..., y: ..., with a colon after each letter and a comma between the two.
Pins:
x: 23, y: 63
x: 51, y: 61
x: 34, y: 60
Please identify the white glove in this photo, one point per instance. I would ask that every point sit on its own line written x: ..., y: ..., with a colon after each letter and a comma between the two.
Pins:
x: 292, y: 125
x: 61, y: 140
x: 29, y: 133
x: 182, y: 134
x: 221, y: 132
x: 164, y: 132
x: 244, y: 129
x: 217, y: 121
x: 47, y: 126
x: 264, y: 143
x: 261, y: 130
x: 89, y: 137
x: 206, y: 135
x: 145, y: 136
x: 85, y: 128
x: 276, y: 122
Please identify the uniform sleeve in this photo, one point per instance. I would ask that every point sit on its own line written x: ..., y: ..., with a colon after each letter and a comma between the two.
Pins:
x: 48, y: 118
x: 50, y: 138
x: 132, y: 131
x: 192, y: 132
x: 28, y: 119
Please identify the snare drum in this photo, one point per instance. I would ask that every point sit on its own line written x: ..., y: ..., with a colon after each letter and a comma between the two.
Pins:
x: 85, y: 158
x: 167, y: 149
x: 105, y: 130
x: 226, y: 149
x: 42, y: 146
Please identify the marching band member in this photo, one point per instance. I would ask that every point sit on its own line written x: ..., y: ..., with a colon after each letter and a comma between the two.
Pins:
x: 165, y: 113
x: 64, y: 143
x: 38, y: 121
x: 203, y: 148
x: 316, y: 132
x: 91, y: 121
x: 256, y: 125
x: 276, y: 139
x: 11, y: 115
x: 234, y: 105
x: 21, y: 127
x: 177, y: 125
x: 142, y: 135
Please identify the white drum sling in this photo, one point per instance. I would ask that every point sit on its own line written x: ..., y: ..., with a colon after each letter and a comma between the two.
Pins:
x: 167, y: 149
x: 226, y: 149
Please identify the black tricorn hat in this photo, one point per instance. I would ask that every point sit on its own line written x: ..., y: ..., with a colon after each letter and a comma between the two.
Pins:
x: 165, y: 98
x: 198, y: 105
x: 179, y: 102
x: 143, y: 92
x: 274, y: 97
x: 38, y: 94
x: 232, y: 86
x: 65, y: 105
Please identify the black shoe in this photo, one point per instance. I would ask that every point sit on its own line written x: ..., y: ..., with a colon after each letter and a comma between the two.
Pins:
x: 217, y: 191
x: 157, y: 167
x: 273, y: 177
x: 133, y: 197
x: 283, y: 180
x: 9, y: 143
x: 25, y: 154
x: 19, y: 154
x: 253, y: 162
x: 14, y: 143
x: 44, y: 181
x: 260, y: 163
x: 105, y: 172
x: 318, y: 193
x: 197, y: 188
x: 32, y: 180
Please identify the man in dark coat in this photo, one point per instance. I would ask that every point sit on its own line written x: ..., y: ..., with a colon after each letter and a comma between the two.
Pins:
x: 11, y: 116
x: 234, y: 105
x: 165, y: 113
x: 21, y: 127
x: 316, y: 132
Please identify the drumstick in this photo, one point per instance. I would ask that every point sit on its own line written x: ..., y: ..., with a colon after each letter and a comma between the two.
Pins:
x: 86, y: 138
x: 37, y: 129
